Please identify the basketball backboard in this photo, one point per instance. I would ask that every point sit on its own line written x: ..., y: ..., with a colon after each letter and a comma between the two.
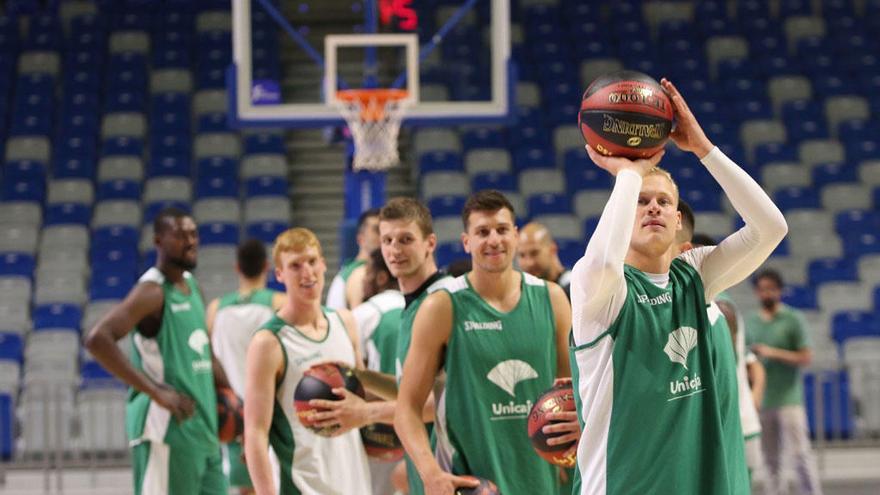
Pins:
x: 452, y: 56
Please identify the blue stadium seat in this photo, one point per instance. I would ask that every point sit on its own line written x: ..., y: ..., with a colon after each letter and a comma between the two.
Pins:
x: 123, y: 145
x: 535, y: 157
x: 218, y: 186
x: 177, y: 165
x: 7, y: 424
x: 802, y: 297
x: 446, y: 205
x: 802, y: 130
x: 124, y: 101
x: 266, y: 186
x: 263, y: 143
x: 448, y: 252
x: 829, y: 173
x: 541, y: 204
x: 265, y: 231
x: 148, y: 259
x: 858, y: 129
x: 774, y: 152
x: 831, y: 85
x: 153, y: 209
x: 115, y: 235
x: 580, y: 173
x: 570, y: 250
x: 797, y: 197
x: 111, y: 285
x: 440, y: 161
x: 863, y: 149
x: 218, y: 233
x: 501, y: 181
x: 119, y: 189
x: 30, y: 189
x: 832, y: 270
x: 57, y: 316
x: 16, y: 264
x: 170, y: 144
x: 216, y: 166
x: 848, y: 324
x: 856, y: 222
x: 702, y: 199
x: 74, y: 166
x: 68, y: 213
x: 95, y: 376
x: 77, y: 124
x: 858, y: 244
x: 212, y: 122
x: 113, y: 257
x: 24, y: 169
x: 799, y: 110
x: 11, y: 347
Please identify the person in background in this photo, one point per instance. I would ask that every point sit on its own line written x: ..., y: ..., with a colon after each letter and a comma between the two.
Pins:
x: 778, y: 335
x: 346, y: 288
x: 538, y: 255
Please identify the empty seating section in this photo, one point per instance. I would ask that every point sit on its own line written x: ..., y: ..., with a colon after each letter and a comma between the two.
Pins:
x: 786, y: 89
x: 110, y: 111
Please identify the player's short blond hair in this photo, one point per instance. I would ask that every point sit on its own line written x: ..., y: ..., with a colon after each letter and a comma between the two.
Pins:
x: 293, y: 241
x: 665, y: 173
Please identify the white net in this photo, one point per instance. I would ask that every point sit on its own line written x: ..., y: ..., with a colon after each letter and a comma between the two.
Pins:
x: 374, y: 120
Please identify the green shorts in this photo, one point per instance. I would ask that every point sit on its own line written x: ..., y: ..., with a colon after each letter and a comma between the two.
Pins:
x: 161, y: 470
x: 238, y: 473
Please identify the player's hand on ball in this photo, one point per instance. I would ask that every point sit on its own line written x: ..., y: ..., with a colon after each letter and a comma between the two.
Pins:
x: 687, y: 133
x: 444, y: 483
x: 348, y: 413
x: 614, y: 164
x: 180, y: 405
x: 567, y: 430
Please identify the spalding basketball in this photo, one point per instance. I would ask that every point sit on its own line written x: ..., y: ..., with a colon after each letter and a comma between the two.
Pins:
x: 558, y: 399
x: 381, y: 442
x: 230, y: 417
x: 625, y: 113
x: 485, y: 487
x: 318, y: 382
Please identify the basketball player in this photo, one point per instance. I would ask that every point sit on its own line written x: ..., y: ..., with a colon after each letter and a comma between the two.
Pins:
x: 500, y: 335
x: 232, y: 320
x: 301, y: 334
x: 378, y: 321
x: 647, y: 391
x: 346, y: 289
x: 538, y: 255
x: 171, y: 415
x: 408, y: 242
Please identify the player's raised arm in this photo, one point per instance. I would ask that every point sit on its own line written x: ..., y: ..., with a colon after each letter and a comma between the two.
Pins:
x: 745, y: 250
x: 597, y: 278
x: 430, y: 334
x: 265, y: 363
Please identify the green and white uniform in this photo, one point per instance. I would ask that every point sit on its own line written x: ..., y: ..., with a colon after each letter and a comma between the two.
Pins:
x: 238, y: 317
x: 378, y: 321
x: 496, y: 365
x: 654, y: 394
x: 312, y: 464
x: 173, y: 457
x: 336, y: 293
x: 413, y: 301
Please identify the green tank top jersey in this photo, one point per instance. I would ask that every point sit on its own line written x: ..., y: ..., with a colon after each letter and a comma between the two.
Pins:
x: 349, y: 267
x: 379, y: 323
x: 496, y: 365
x: 412, y: 303
x: 658, y: 398
x: 262, y: 297
x: 179, y: 356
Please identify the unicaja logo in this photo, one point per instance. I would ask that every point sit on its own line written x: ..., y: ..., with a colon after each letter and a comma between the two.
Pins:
x: 507, y: 374
x: 198, y: 340
x: 681, y: 342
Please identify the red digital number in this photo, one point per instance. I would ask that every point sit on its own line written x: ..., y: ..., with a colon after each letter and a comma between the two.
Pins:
x: 407, y: 19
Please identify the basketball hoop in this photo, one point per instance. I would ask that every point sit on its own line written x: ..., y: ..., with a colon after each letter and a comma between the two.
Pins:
x: 374, y: 117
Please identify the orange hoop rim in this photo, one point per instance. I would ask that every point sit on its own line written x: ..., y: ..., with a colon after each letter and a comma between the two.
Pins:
x: 379, y: 95
x: 372, y: 102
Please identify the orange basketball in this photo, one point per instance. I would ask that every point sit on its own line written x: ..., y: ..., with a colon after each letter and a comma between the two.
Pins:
x: 230, y: 415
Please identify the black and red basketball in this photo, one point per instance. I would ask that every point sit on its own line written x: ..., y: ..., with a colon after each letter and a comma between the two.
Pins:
x: 381, y: 442
x: 560, y: 398
x: 230, y: 416
x: 625, y: 113
x: 318, y: 382
x: 485, y: 487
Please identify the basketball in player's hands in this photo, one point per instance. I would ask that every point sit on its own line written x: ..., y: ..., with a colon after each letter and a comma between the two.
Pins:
x: 559, y: 398
x: 318, y: 382
x: 381, y: 442
x: 625, y: 113
x: 230, y: 416
x: 485, y: 487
